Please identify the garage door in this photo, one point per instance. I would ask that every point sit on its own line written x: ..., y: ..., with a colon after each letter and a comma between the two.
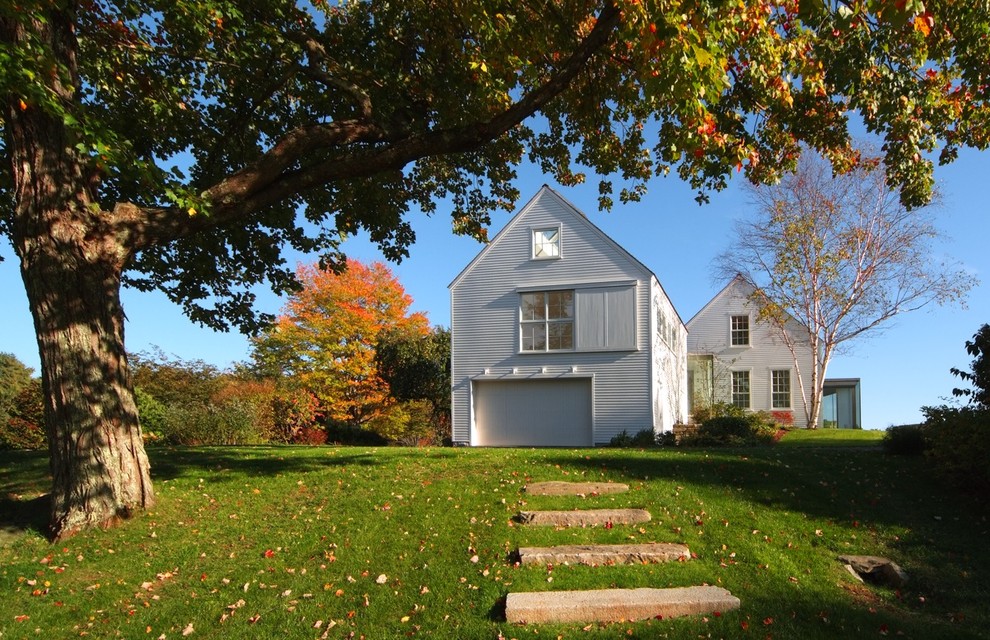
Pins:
x: 533, y: 413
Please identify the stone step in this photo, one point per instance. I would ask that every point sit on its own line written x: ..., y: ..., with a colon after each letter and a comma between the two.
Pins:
x: 583, y: 517
x: 605, y: 554
x: 614, y: 605
x: 558, y: 488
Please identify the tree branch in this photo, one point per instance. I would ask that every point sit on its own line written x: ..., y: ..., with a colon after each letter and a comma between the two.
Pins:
x: 269, y: 180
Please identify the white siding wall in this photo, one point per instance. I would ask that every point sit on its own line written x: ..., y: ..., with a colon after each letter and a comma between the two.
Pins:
x: 669, y: 336
x: 708, y: 333
x: 485, y: 319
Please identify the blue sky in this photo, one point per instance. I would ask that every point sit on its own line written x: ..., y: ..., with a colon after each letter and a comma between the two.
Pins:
x: 903, y: 366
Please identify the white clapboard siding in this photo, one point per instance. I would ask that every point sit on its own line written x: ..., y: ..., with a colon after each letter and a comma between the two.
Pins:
x: 612, y: 319
x: 708, y: 334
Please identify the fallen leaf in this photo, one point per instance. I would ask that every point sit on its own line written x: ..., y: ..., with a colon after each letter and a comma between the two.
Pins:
x: 188, y: 631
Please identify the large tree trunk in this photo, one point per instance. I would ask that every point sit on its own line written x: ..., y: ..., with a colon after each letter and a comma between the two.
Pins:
x: 71, y: 263
x: 99, y: 468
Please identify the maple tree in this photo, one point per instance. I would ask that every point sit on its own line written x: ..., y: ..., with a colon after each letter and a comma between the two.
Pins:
x: 325, y: 339
x: 182, y: 146
x: 829, y: 258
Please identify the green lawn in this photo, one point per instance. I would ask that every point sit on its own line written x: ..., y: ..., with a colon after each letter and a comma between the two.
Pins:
x: 278, y: 542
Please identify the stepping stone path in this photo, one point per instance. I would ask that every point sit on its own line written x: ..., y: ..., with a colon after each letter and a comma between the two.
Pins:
x: 574, y: 488
x: 583, y: 517
x: 604, y: 605
x: 614, y: 605
x: 605, y: 554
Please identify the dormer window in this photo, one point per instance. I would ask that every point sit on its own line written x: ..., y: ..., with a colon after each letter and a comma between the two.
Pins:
x: 546, y: 243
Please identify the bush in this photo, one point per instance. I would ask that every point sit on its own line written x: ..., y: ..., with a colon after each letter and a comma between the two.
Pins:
x: 905, y: 440
x: 310, y: 435
x: 24, y: 425
x: 959, y: 445
x: 736, y: 428
x: 643, y: 439
x: 211, y: 424
x: 152, y: 415
x: 348, y: 434
x: 407, y: 423
x: 17, y: 433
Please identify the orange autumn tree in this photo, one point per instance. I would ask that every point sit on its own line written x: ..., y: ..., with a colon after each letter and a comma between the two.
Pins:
x: 324, y: 340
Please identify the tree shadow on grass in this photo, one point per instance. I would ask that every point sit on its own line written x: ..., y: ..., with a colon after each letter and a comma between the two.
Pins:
x: 22, y: 516
x: 229, y: 463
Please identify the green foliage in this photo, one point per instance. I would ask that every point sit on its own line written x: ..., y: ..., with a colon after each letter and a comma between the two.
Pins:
x: 302, y: 519
x: 24, y: 426
x: 351, y: 435
x: 233, y: 422
x: 408, y: 423
x: 14, y: 376
x: 417, y: 367
x: 732, y: 429
x: 152, y: 414
x: 296, y: 413
x: 171, y: 380
x: 908, y: 439
x: 705, y: 413
x: 642, y: 439
x: 959, y: 445
x: 979, y: 370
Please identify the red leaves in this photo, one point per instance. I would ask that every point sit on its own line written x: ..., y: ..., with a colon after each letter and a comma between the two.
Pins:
x: 268, y: 553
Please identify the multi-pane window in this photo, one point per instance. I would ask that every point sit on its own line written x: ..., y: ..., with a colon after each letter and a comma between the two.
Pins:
x: 546, y: 321
x: 739, y: 331
x: 740, y: 389
x: 546, y: 243
x: 780, y: 389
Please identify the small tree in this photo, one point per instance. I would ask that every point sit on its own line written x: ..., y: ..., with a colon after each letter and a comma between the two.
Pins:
x: 840, y: 255
x: 325, y: 339
x: 417, y: 367
x: 979, y: 370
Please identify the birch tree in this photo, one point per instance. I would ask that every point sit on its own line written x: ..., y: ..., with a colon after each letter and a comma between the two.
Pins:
x: 837, y: 256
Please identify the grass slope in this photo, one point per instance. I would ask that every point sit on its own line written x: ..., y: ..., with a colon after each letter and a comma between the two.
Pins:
x: 277, y: 542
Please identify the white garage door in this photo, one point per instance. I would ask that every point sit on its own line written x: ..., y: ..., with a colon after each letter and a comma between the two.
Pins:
x: 533, y: 413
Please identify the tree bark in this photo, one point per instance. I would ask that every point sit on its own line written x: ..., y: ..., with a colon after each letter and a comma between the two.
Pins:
x: 100, y: 471
x: 71, y: 262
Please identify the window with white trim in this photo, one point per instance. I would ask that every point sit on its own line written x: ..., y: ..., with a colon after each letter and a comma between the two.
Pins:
x: 740, y: 389
x: 739, y: 331
x: 546, y: 243
x: 546, y: 321
x: 780, y: 389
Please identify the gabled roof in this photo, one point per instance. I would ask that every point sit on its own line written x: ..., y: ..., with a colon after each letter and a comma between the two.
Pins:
x: 547, y: 192
x: 738, y: 279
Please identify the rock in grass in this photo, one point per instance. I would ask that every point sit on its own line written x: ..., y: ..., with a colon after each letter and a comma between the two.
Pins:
x: 614, y: 605
x: 583, y: 517
x: 605, y: 554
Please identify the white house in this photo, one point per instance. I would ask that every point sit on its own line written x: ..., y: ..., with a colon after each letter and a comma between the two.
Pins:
x: 562, y: 338
x: 737, y: 359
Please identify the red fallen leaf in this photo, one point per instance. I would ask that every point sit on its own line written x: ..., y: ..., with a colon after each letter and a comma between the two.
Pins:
x: 21, y: 618
x: 608, y: 525
x: 768, y: 621
x: 744, y: 625
x: 202, y: 577
x: 717, y: 614
x: 883, y: 629
x: 269, y: 553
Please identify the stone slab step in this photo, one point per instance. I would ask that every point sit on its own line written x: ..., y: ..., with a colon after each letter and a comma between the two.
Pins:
x: 558, y: 488
x: 613, y: 605
x: 583, y: 517
x: 603, y: 554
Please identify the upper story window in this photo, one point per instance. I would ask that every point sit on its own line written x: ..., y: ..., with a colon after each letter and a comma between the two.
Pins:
x: 546, y: 321
x: 739, y: 331
x: 546, y: 243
